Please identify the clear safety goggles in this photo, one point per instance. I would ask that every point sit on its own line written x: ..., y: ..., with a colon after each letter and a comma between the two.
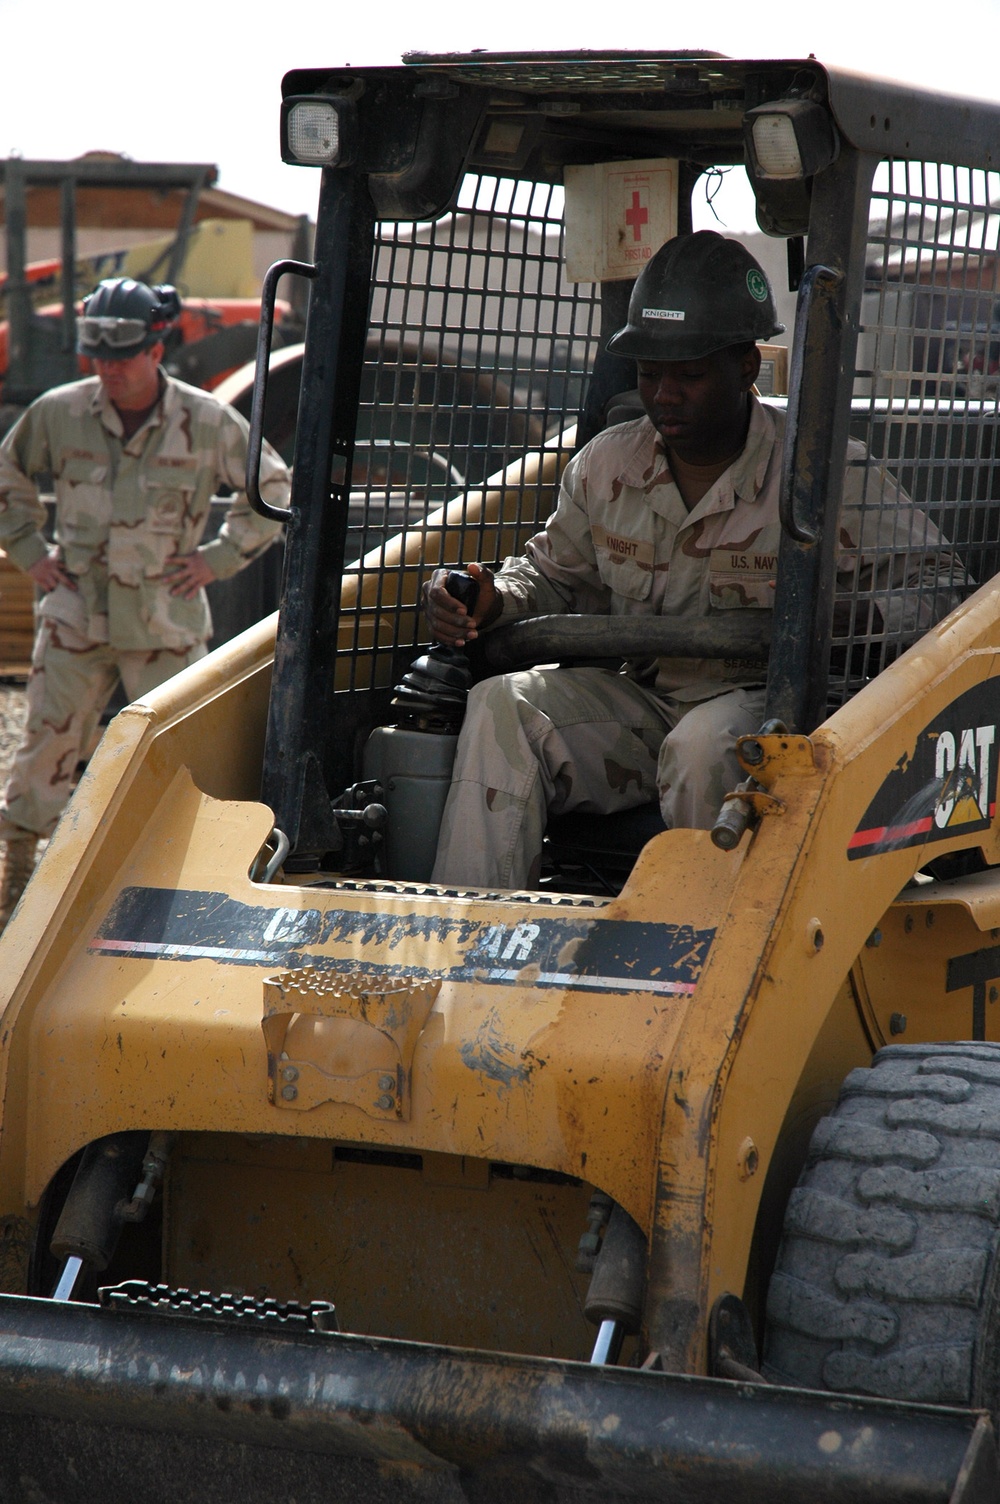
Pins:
x: 116, y: 334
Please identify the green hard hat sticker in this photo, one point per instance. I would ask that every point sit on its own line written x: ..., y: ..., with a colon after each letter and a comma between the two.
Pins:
x: 757, y: 285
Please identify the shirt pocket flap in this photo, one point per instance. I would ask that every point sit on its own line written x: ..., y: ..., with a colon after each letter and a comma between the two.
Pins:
x: 177, y: 474
x: 741, y: 577
x: 79, y: 470
x: 168, y: 501
x: 625, y: 564
x: 83, y: 509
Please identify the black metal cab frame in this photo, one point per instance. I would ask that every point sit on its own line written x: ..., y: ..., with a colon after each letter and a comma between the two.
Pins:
x: 444, y: 335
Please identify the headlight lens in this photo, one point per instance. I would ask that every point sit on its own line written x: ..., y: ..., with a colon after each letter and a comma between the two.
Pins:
x: 313, y: 133
x: 776, y: 148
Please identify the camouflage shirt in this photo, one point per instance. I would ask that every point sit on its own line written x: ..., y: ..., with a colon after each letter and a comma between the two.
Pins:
x: 125, y: 509
x: 622, y: 542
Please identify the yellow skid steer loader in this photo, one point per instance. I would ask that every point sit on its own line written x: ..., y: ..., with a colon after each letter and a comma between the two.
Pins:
x: 676, y: 1176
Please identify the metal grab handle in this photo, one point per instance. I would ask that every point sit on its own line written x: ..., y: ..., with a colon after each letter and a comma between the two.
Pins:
x: 265, y: 332
x: 819, y: 284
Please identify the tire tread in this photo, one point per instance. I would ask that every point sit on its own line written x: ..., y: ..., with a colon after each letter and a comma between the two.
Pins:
x: 886, y: 1279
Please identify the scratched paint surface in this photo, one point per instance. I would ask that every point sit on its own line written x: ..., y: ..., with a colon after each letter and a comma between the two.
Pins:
x: 549, y: 1044
x: 612, y: 956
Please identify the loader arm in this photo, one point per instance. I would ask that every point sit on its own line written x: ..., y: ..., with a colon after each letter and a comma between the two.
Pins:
x: 789, y: 941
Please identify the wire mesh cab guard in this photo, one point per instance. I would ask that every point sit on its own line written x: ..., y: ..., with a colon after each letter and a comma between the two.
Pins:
x: 478, y: 354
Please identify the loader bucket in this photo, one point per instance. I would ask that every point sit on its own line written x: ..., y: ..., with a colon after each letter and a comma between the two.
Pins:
x: 126, y: 1403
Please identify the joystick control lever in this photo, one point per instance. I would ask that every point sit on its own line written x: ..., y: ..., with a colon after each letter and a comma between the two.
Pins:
x: 432, y: 693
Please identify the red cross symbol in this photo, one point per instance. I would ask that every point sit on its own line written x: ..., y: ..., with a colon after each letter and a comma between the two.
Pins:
x: 637, y: 216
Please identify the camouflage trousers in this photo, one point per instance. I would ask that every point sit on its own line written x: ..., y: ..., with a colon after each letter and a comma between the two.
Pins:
x: 71, y: 681
x: 553, y: 740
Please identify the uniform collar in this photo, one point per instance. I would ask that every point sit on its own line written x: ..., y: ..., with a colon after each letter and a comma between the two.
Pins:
x: 646, y: 465
x: 107, y: 414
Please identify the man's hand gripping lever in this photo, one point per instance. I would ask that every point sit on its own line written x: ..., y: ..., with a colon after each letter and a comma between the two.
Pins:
x: 431, y: 695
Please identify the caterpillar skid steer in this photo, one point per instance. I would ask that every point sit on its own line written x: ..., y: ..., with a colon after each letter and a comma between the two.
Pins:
x: 676, y: 1176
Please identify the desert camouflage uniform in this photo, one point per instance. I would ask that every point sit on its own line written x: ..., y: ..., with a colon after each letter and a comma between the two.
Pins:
x: 124, y: 511
x: 622, y: 542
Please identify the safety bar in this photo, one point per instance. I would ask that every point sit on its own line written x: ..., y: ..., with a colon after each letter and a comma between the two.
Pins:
x: 265, y: 333
x: 740, y: 633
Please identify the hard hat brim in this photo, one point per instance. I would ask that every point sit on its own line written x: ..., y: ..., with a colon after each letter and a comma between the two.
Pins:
x: 641, y: 344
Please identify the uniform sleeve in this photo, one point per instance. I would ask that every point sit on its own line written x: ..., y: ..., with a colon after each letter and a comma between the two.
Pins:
x: 244, y: 535
x: 24, y: 453
x: 558, y: 571
x: 893, y: 562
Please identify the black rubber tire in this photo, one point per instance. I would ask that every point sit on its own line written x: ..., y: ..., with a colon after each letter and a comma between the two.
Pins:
x: 887, y: 1276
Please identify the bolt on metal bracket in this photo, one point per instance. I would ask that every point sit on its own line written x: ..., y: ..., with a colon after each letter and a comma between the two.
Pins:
x: 344, y: 1038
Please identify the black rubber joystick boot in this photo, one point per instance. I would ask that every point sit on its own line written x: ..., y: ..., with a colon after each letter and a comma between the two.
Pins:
x: 432, y: 693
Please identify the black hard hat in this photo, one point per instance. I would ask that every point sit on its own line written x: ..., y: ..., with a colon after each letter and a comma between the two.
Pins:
x: 122, y: 317
x: 698, y: 294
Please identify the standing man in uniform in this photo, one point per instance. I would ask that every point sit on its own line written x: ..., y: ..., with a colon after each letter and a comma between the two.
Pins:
x: 135, y: 458
x: 674, y: 514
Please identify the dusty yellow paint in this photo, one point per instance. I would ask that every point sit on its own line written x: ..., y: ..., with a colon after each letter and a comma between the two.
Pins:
x: 428, y: 1249
x: 651, y: 1098
x: 180, y: 1043
x: 769, y: 989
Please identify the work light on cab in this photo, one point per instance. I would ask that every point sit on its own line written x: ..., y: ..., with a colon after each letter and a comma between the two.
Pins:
x: 313, y: 132
x: 789, y: 139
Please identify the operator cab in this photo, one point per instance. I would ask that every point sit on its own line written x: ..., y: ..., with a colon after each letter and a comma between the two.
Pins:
x: 491, y: 213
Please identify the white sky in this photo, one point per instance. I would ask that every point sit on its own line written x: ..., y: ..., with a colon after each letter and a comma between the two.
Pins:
x: 186, y: 81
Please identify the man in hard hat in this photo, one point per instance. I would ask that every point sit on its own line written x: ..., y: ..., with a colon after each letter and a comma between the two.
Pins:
x: 675, y: 513
x: 135, y: 458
